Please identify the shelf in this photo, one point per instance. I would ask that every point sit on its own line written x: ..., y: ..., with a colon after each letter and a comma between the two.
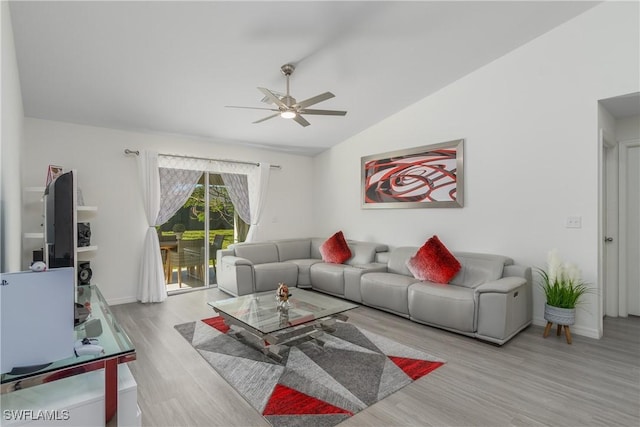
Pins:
x: 87, y: 248
x: 34, y: 235
x: 34, y: 190
x: 87, y: 208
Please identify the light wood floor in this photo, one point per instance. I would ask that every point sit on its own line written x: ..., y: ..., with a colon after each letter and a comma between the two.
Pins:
x: 528, y: 381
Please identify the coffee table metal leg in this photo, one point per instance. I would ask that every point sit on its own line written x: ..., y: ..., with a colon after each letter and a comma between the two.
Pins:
x: 272, y: 344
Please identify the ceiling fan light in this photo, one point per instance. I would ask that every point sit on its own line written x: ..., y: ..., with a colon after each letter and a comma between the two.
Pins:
x: 288, y: 114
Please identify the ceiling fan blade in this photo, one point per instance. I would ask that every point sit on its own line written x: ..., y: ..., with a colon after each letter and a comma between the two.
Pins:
x: 315, y: 99
x: 267, y: 118
x: 272, y: 97
x: 301, y: 120
x: 252, y: 108
x: 268, y: 100
x: 323, y: 112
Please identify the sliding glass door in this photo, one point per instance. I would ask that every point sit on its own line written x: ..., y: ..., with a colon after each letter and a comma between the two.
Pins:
x: 206, y: 216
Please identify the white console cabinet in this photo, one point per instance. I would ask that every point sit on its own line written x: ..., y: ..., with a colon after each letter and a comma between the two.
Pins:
x: 84, y: 389
x: 74, y: 401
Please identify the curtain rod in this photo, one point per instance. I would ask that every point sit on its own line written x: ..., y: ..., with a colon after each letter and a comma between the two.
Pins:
x: 137, y: 153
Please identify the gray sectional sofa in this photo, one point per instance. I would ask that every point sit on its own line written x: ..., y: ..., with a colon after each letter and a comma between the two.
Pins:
x: 245, y: 268
x: 489, y: 298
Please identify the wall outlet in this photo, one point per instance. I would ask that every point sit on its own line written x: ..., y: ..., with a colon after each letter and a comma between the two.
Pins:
x: 574, y: 222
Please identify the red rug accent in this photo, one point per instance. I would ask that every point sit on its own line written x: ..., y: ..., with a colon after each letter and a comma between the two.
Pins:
x: 415, y: 368
x: 218, y: 323
x: 287, y: 401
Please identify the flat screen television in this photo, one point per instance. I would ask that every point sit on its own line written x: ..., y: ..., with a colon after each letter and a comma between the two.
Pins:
x: 59, y: 233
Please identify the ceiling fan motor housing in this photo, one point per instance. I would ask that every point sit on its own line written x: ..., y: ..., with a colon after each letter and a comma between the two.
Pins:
x: 288, y: 100
x: 287, y: 69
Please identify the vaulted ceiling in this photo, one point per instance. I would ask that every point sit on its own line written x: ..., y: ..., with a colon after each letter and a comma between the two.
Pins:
x: 172, y: 67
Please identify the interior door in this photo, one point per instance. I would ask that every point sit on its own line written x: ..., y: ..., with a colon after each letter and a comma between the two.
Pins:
x: 629, y: 227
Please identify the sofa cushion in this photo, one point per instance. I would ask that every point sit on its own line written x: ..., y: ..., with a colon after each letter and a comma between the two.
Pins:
x: 433, y: 262
x: 364, y: 252
x: 450, y: 307
x: 293, y: 249
x: 398, y: 260
x: 304, y: 267
x: 269, y: 275
x: 316, y: 242
x: 386, y: 291
x: 335, y: 249
x: 257, y: 253
x: 328, y: 277
x: 478, y: 269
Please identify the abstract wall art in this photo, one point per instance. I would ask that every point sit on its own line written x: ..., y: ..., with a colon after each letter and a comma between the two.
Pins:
x: 430, y: 176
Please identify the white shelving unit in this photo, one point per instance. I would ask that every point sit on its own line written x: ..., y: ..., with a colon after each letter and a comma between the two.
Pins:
x: 30, y: 200
x: 80, y: 214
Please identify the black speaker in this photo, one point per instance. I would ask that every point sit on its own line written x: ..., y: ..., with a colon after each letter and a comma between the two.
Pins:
x: 38, y: 255
x: 84, y: 234
x: 84, y: 273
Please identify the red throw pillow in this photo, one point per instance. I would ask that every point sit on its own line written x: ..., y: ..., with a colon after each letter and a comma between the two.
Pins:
x: 335, y: 249
x: 434, y: 262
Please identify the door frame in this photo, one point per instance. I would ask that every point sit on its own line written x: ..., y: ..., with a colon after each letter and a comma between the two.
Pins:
x: 605, y: 143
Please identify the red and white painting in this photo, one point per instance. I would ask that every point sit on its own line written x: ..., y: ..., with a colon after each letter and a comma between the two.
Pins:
x: 421, y: 177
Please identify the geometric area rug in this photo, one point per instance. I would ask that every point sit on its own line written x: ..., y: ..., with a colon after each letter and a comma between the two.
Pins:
x: 313, y: 384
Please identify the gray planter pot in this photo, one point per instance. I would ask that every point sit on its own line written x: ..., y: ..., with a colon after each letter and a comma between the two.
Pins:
x: 560, y: 316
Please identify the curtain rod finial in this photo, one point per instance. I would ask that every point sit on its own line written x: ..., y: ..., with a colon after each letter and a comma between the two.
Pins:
x: 127, y: 151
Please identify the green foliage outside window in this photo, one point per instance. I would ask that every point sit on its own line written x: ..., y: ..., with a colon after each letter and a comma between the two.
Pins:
x: 220, y: 206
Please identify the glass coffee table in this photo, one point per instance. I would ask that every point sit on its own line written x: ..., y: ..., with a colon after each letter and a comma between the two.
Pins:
x: 260, y: 320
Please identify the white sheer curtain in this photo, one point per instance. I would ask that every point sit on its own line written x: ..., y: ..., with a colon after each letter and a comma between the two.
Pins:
x: 257, y: 181
x: 238, y: 189
x: 257, y: 199
x: 151, y: 284
x: 176, y: 185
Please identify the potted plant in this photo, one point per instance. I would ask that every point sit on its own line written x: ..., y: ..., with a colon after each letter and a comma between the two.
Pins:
x: 179, y: 229
x: 563, y: 288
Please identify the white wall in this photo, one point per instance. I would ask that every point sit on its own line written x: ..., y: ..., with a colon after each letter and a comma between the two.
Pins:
x: 10, y: 151
x: 530, y: 121
x: 109, y: 180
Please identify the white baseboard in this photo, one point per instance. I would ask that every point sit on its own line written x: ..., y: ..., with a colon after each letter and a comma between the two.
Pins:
x: 575, y: 329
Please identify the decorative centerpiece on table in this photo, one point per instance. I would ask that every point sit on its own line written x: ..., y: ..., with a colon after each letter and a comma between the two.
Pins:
x: 563, y: 289
x: 282, y: 296
x: 179, y: 229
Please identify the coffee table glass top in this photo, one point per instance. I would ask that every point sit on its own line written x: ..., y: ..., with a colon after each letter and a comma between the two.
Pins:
x: 260, y: 311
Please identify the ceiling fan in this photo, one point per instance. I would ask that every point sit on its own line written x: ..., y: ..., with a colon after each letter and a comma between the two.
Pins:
x: 288, y: 107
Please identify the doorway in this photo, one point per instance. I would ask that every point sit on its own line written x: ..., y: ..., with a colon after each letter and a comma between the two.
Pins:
x: 619, y: 120
x: 189, y: 240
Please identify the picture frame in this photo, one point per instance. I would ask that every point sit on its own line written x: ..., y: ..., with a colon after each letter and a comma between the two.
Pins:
x: 430, y: 176
x: 52, y: 173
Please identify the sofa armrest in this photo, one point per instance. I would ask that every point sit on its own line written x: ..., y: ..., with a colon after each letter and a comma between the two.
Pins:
x: 501, y: 286
x: 352, y: 275
x: 235, y: 260
x: 235, y: 275
x: 503, y: 308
